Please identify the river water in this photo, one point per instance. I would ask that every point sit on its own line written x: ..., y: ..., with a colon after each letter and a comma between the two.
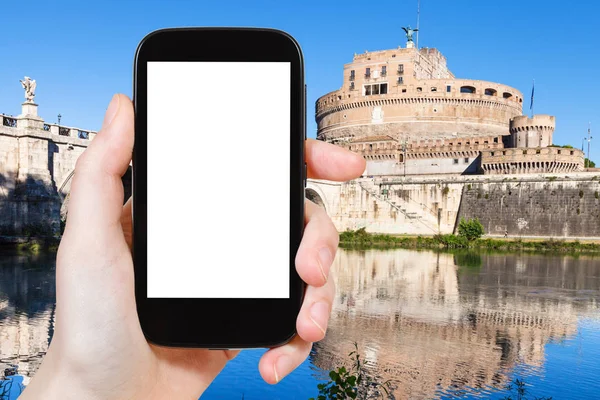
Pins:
x: 439, y: 325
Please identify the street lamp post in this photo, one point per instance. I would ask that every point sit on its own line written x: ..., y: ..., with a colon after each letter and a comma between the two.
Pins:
x: 589, y: 139
x: 59, y: 117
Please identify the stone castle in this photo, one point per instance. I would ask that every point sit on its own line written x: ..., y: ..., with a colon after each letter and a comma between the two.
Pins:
x: 439, y: 148
x: 407, y: 114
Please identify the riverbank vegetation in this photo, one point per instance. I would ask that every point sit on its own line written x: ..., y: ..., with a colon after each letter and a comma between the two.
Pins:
x: 354, y: 383
x: 364, y: 240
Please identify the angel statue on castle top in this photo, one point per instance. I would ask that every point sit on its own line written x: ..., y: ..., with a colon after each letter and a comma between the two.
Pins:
x: 29, y: 86
x: 409, y: 32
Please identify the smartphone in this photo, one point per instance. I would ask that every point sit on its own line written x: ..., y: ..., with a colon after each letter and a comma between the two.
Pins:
x: 218, y: 186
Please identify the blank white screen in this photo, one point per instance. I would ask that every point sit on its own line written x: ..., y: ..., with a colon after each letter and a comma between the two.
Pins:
x: 218, y: 179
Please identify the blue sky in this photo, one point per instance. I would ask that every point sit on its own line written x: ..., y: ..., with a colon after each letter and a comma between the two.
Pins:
x: 81, y: 52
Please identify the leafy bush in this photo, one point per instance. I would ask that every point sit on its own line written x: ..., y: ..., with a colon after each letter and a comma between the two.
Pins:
x: 355, y: 383
x: 452, y: 241
x: 471, y: 229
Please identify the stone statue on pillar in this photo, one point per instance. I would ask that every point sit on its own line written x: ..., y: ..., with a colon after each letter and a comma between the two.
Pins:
x: 29, y: 86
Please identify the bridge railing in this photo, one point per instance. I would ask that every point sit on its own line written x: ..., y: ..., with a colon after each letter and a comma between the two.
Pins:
x: 8, y: 121
x: 13, y: 122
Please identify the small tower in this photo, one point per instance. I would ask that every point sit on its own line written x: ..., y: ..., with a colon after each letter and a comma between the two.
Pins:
x: 532, y: 132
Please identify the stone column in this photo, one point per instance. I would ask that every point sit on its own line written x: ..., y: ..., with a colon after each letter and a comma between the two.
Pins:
x: 29, y: 118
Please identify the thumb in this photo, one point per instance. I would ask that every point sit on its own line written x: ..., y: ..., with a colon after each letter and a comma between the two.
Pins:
x: 96, y: 198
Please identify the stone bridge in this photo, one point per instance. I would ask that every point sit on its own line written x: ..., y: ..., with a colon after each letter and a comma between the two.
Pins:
x: 37, y: 161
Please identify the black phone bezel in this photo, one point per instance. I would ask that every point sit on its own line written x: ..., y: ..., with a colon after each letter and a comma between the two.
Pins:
x: 218, y: 323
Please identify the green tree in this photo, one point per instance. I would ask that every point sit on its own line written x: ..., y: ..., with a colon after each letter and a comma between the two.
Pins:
x: 471, y: 229
x: 589, y: 163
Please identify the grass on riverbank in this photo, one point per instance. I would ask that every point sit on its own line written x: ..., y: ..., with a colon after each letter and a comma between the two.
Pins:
x: 362, y: 239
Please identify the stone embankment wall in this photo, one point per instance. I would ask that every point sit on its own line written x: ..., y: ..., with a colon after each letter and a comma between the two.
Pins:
x: 527, y: 205
x: 569, y: 208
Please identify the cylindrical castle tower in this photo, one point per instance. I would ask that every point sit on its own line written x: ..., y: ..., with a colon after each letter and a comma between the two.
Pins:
x: 532, y: 132
x: 411, y: 95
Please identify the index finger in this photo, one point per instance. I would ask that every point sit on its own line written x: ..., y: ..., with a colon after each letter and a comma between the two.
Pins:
x: 331, y: 162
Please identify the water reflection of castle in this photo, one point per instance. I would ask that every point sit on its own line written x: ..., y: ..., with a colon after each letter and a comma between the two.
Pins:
x: 434, y: 325
x: 27, y: 293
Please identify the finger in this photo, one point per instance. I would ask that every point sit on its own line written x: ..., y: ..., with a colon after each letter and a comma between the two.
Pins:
x: 127, y: 223
x: 95, y: 206
x: 317, y: 249
x: 331, y: 162
x: 313, y: 318
x: 277, y: 363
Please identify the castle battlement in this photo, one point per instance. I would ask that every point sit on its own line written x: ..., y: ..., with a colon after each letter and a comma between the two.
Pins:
x: 532, y: 160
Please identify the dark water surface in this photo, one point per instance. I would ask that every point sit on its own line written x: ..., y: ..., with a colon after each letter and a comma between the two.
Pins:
x: 440, y: 325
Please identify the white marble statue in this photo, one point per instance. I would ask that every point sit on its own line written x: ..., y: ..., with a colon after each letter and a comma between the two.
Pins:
x: 29, y: 86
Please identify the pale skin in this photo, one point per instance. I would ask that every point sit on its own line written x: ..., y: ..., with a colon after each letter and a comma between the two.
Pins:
x: 98, y: 350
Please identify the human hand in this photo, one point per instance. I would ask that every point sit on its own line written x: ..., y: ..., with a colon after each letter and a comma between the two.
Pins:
x: 98, y: 350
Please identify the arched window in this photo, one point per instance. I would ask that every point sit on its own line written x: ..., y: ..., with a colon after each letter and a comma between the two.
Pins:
x: 507, y: 95
x: 467, y: 89
x: 490, y: 92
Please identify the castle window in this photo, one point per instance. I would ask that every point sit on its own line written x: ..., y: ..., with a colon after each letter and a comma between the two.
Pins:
x: 538, y: 151
x: 455, y: 161
x: 492, y: 154
x: 434, y: 89
x: 448, y: 89
x: 524, y: 151
x: 352, y: 75
x: 403, y: 90
x: 370, y: 147
x: 467, y: 89
x: 393, y: 55
x: 559, y: 152
x: 572, y: 152
x: 351, y: 85
x: 377, y: 88
x: 383, y: 70
x: 507, y: 95
x: 401, y: 68
x: 504, y: 153
x: 495, y: 140
x: 400, y: 80
x: 368, y: 73
x: 466, y: 160
x: 490, y: 92
x: 419, y: 89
